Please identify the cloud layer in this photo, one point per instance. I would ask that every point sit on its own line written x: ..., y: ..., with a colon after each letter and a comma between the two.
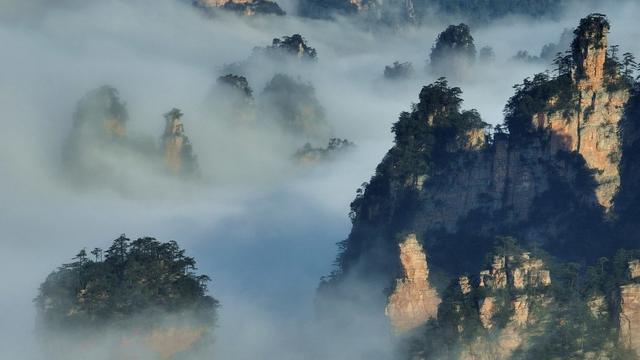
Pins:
x: 263, y: 228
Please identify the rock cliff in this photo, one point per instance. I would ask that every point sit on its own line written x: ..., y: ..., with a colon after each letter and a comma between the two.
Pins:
x: 413, y: 300
x: 178, y: 152
x: 242, y: 7
x: 558, y: 176
x: 629, y: 316
x: 591, y: 128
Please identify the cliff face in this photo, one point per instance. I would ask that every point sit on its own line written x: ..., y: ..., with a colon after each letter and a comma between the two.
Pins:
x: 178, y: 154
x: 490, y: 316
x: 629, y: 316
x: 511, y: 273
x: 553, y: 177
x: 413, y: 300
x: 242, y: 7
x: 510, y: 176
x: 591, y: 129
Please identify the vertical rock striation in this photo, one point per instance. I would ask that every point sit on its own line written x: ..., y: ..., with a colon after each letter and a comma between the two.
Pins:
x: 629, y: 317
x: 591, y: 129
x: 178, y: 153
x: 522, y: 279
x: 413, y: 301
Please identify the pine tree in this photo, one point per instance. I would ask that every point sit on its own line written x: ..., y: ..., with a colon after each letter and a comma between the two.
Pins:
x: 629, y: 65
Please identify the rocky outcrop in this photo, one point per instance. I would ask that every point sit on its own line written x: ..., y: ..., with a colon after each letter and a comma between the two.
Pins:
x: 232, y: 99
x: 634, y: 269
x: 524, y: 274
x: 522, y: 271
x: 242, y: 7
x: 98, y: 134
x: 169, y: 341
x: 413, y: 300
x: 592, y: 128
x: 524, y: 183
x: 311, y: 155
x: 629, y: 317
x: 238, y: 85
x: 398, y: 71
x: 487, y: 309
x: 597, y: 306
x: 171, y: 314
x: 101, y: 114
x: 294, y: 45
x: 292, y: 104
x: 453, y: 53
x: 178, y: 153
x: 549, y: 177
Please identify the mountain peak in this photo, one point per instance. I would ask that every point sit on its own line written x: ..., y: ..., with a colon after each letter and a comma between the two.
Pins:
x: 589, y: 51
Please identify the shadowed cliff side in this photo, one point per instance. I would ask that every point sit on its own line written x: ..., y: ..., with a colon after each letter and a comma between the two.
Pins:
x: 550, y: 176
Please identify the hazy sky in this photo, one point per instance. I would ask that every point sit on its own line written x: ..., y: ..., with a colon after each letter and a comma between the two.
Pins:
x: 264, y: 229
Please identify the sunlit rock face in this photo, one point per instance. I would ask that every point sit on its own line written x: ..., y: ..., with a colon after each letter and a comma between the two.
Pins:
x: 629, y: 316
x: 511, y: 332
x: 549, y: 178
x: 178, y: 152
x: 413, y: 300
x: 591, y: 129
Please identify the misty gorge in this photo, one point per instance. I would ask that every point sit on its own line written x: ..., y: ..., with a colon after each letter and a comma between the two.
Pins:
x: 315, y: 179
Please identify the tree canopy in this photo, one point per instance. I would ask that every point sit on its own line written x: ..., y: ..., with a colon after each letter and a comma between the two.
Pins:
x: 144, y: 278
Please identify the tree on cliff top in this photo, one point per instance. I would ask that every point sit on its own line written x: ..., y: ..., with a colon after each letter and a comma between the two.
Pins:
x: 293, y: 105
x: 98, y: 106
x: 454, y: 49
x: 143, y: 279
x: 425, y: 140
x: 236, y: 83
x: 294, y: 45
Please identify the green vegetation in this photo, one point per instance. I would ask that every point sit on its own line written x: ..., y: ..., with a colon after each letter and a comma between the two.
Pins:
x: 561, y: 325
x: 426, y: 139
x: 131, y: 284
x: 398, y: 71
x: 454, y: 48
x: 236, y: 83
x: 97, y: 106
x: 533, y: 96
x: 293, y: 104
x: 294, y: 45
x: 477, y: 11
x: 336, y: 146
